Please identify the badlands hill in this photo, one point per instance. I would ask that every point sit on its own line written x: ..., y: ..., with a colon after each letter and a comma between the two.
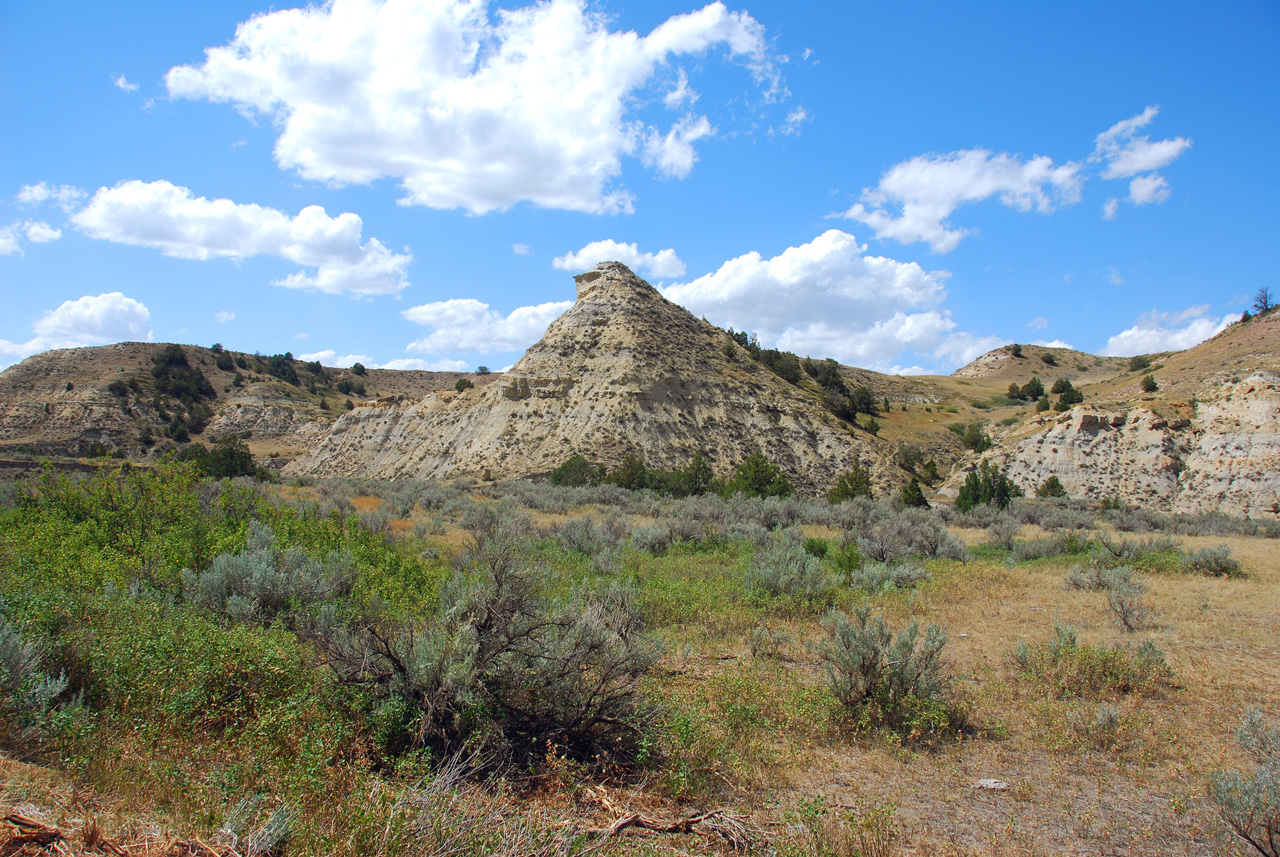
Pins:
x: 623, y: 371
x: 1206, y: 439
x: 80, y: 401
x: 626, y: 371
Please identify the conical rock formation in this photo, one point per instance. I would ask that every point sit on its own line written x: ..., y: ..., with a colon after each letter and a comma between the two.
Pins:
x: 623, y: 371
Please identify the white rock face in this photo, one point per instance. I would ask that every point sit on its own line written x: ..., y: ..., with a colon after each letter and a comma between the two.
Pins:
x: 623, y: 371
x: 1226, y: 458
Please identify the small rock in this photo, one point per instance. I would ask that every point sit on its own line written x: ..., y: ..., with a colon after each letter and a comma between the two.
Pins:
x: 991, y: 785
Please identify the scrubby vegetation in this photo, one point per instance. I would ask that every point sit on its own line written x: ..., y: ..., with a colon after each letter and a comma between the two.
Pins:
x: 347, y: 667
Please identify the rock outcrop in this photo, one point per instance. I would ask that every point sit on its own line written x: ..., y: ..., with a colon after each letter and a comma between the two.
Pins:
x: 1224, y: 455
x: 622, y: 371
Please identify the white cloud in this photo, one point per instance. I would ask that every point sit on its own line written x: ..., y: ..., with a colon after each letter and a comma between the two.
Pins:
x: 795, y: 119
x: 915, y: 198
x: 1054, y: 343
x: 89, y: 320
x: 1114, y: 278
x: 672, y: 153
x: 10, y: 244
x: 467, y: 109
x: 827, y: 299
x: 1167, y: 331
x: 1126, y: 154
x: 167, y: 217
x: 124, y: 84
x: 521, y: 249
x: 41, y: 232
x: 65, y: 196
x: 1147, y: 189
x: 427, y: 365
x: 680, y: 94
x: 1110, y: 208
x: 302, y: 335
x: 224, y: 316
x: 329, y: 357
x: 465, y: 324
x: 35, y: 230
x: 664, y: 263
x: 1038, y: 323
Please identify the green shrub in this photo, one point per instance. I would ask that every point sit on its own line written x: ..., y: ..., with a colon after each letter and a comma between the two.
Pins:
x: 576, y: 471
x: 913, y: 496
x: 1216, y: 562
x: 1250, y: 803
x: 756, y: 476
x: 880, y: 577
x: 29, y: 710
x: 986, y: 485
x: 896, y: 682
x: 1139, y: 363
x: 1065, y: 668
x: 1148, y: 384
x: 855, y: 483
x: 1051, y: 487
x: 463, y: 384
x: 783, y: 568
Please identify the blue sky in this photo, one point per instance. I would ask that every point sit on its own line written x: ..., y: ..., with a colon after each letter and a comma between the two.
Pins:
x: 900, y: 186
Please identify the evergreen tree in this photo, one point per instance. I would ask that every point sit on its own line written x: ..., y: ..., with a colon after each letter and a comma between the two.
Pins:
x: 986, y: 485
x: 913, y: 496
x: 756, y: 476
x: 855, y: 483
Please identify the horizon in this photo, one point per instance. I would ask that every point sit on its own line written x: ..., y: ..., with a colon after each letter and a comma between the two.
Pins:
x: 901, y: 190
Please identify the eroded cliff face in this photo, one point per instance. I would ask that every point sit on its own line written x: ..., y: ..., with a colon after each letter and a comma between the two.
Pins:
x: 623, y: 371
x: 1224, y: 457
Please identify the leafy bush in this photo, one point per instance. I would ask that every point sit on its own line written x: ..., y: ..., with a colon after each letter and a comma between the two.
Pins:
x: 1004, y: 529
x: 654, y: 539
x: 783, y: 568
x: 1095, y: 577
x: 262, y: 582
x: 1148, y: 384
x: 576, y: 471
x: 1124, y: 597
x: 756, y: 476
x: 855, y: 483
x: 1051, y: 487
x: 463, y: 384
x: 1068, y: 669
x: 1139, y: 363
x: 898, y: 682
x: 501, y: 663
x: 1250, y: 803
x: 1068, y: 543
x: 1216, y: 562
x: 879, y: 577
x: 29, y: 714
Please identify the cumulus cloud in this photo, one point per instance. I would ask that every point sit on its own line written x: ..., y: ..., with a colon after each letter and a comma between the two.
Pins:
x: 1053, y: 343
x: 329, y: 357
x: 65, y: 196
x: 1040, y: 322
x: 521, y: 249
x: 89, y: 320
x: 224, y: 316
x: 10, y: 244
x: 36, y: 231
x: 427, y: 365
x: 1147, y: 189
x: 1125, y: 154
x: 915, y: 199
x: 472, y: 110
x: 122, y: 83
x: 1157, y: 331
x: 466, y: 324
x: 828, y: 299
x: 41, y: 232
x: 169, y: 218
x: 664, y: 263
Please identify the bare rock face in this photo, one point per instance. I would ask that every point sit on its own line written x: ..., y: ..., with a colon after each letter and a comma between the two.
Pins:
x: 1225, y: 458
x: 623, y: 371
